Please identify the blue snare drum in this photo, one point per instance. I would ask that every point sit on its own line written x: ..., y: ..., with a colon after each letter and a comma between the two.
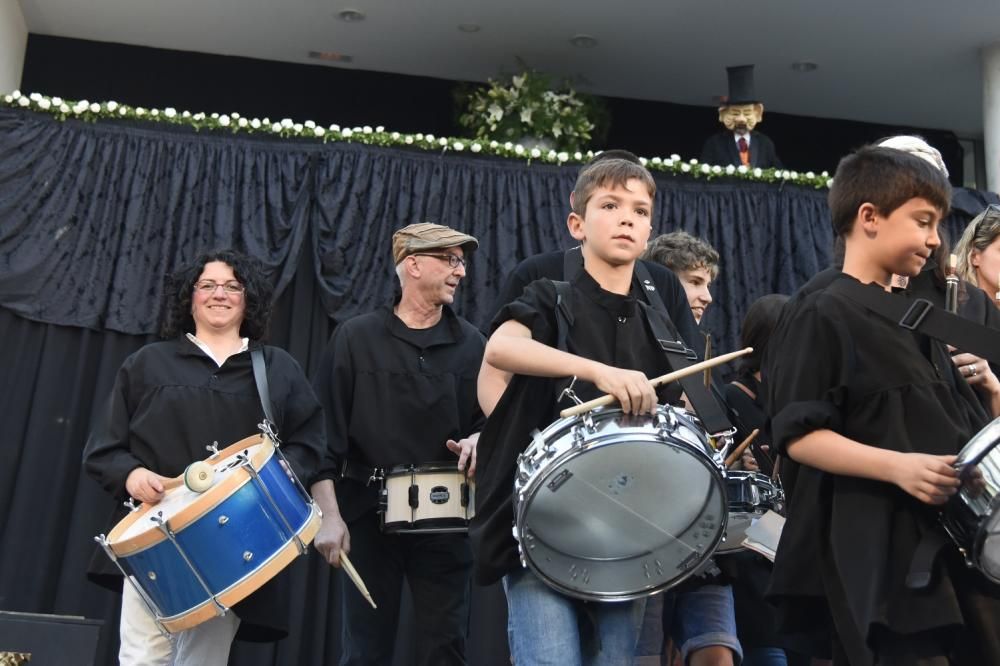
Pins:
x: 192, y: 556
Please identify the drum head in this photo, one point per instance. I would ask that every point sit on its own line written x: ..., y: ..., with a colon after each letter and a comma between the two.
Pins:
x: 180, y: 506
x: 623, y: 518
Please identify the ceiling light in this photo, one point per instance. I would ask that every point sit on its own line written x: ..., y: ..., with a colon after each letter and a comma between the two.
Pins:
x: 351, y: 15
x: 583, y: 41
x: 330, y: 56
x: 804, y: 66
x: 469, y: 27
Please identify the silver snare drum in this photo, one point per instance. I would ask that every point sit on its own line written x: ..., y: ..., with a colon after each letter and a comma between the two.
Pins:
x: 750, y: 495
x: 972, y: 516
x: 610, y: 506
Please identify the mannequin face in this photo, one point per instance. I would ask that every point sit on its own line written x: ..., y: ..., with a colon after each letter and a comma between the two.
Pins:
x: 741, y: 117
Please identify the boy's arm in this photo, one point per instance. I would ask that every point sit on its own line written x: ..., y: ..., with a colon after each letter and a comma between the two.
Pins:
x: 929, y: 478
x: 511, y: 349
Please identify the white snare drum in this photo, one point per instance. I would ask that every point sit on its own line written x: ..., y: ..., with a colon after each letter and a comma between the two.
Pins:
x: 430, y: 498
x: 610, y: 506
x: 750, y: 495
x: 972, y: 516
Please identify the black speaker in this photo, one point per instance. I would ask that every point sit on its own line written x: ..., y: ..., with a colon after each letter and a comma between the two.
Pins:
x: 50, y: 639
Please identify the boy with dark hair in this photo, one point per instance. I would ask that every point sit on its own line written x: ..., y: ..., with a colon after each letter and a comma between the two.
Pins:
x: 872, y: 414
x: 610, y: 349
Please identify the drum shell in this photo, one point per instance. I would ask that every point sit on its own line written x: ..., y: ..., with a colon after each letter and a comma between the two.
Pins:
x: 972, y: 516
x: 670, y: 442
x: 749, y: 496
x: 217, y: 537
x: 434, y: 481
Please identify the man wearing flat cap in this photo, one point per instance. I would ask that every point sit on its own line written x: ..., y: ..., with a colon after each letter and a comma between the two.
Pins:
x: 399, y: 388
x: 740, y: 114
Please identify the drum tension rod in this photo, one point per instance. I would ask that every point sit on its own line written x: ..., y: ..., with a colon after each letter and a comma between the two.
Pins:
x: 169, y: 533
x: 154, y: 610
x: 252, y: 471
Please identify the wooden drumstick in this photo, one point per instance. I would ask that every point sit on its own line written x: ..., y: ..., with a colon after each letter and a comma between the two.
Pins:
x: 662, y: 379
x: 708, y: 355
x: 352, y: 573
x: 735, y: 455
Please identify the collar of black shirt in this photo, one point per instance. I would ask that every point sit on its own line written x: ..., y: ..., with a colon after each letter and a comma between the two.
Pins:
x: 616, y: 304
x: 452, y: 328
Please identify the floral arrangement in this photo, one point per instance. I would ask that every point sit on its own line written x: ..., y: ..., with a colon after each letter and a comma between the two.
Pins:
x: 528, y: 107
x: 378, y: 136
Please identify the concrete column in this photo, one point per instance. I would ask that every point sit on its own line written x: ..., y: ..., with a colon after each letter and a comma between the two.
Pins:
x: 991, y: 115
x: 13, y: 40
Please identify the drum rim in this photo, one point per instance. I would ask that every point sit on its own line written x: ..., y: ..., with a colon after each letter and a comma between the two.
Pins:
x: 424, y: 468
x: 703, y: 457
x: 206, y: 502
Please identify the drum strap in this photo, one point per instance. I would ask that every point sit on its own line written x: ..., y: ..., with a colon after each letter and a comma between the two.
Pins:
x: 260, y: 376
x: 679, y: 356
x: 920, y: 315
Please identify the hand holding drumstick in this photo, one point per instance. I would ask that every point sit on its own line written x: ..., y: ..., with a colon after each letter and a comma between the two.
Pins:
x: 658, y: 381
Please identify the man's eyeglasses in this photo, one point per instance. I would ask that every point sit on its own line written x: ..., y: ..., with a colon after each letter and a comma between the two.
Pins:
x: 208, y: 287
x: 453, y: 259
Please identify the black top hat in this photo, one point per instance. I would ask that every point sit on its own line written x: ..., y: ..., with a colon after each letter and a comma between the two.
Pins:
x: 741, y: 89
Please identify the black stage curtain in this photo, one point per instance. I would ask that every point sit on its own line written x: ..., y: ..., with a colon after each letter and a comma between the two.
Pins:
x: 93, y: 215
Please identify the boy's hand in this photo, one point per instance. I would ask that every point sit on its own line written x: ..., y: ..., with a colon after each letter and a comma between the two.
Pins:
x: 144, y: 485
x: 931, y: 479
x: 630, y: 387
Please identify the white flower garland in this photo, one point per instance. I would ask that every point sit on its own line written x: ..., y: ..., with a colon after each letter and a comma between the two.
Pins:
x: 378, y: 136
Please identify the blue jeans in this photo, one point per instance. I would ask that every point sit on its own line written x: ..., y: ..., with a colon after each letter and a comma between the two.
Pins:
x: 764, y: 656
x: 695, y: 618
x: 544, y: 626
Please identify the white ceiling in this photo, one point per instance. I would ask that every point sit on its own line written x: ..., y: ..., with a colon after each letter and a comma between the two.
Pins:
x: 904, y: 62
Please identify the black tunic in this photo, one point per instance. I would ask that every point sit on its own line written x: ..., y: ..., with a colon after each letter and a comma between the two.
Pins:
x: 394, y: 395
x: 169, y: 401
x: 607, y: 327
x: 550, y: 265
x: 848, y: 542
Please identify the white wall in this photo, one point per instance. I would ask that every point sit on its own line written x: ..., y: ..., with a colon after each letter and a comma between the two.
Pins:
x: 13, y: 39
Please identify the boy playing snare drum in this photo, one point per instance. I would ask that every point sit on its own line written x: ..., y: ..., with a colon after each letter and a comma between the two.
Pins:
x: 609, y: 349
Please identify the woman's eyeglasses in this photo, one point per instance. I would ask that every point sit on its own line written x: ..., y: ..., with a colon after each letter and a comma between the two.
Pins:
x: 208, y: 287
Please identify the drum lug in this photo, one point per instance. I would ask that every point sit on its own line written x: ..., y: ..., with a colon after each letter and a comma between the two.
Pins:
x: 579, y: 439
x: 169, y: 533
x: 130, y: 505
x: 214, y: 448
x: 666, y: 423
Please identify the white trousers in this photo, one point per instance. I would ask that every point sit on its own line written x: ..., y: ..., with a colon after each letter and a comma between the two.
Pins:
x: 142, y: 644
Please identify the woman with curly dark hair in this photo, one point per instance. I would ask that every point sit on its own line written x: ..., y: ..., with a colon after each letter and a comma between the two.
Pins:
x: 248, y: 271
x: 170, y: 400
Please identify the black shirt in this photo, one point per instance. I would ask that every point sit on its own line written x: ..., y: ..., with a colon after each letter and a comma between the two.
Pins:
x: 550, y: 265
x: 832, y: 364
x: 170, y: 401
x: 607, y: 327
x: 394, y: 395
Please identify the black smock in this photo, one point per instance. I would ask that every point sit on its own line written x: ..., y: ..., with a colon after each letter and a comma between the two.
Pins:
x: 551, y: 265
x: 394, y: 395
x: 170, y: 401
x: 848, y: 542
x: 607, y: 327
